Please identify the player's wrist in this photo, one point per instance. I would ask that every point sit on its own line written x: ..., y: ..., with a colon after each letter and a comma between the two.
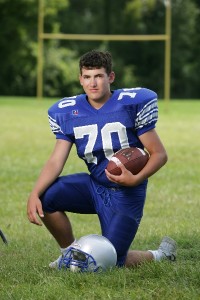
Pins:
x: 137, y: 179
x: 35, y: 194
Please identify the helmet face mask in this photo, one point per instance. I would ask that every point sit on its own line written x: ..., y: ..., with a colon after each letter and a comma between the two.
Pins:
x: 92, y: 253
x: 79, y: 261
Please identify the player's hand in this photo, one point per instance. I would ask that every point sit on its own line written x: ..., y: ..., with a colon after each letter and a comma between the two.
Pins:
x: 34, y: 209
x: 126, y: 178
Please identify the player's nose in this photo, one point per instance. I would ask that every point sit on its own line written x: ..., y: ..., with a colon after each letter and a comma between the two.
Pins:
x: 93, y: 82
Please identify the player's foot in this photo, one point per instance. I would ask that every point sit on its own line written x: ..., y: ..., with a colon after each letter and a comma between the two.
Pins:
x: 55, y: 264
x: 168, y: 247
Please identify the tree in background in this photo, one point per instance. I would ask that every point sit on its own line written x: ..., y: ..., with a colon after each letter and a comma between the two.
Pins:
x: 136, y: 63
x: 18, y: 43
x: 185, y: 49
x: 18, y: 47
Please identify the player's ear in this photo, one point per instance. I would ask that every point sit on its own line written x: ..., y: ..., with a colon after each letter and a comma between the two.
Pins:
x: 111, y: 77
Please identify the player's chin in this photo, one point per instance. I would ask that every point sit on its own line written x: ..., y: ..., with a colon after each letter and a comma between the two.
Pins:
x: 94, y: 95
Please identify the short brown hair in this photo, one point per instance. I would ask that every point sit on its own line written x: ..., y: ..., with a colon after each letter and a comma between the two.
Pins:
x: 95, y: 60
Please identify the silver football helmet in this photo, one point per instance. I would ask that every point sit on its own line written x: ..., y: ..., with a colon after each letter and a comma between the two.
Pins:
x: 91, y: 253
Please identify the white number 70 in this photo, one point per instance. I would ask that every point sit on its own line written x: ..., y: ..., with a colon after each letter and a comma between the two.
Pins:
x: 106, y: 137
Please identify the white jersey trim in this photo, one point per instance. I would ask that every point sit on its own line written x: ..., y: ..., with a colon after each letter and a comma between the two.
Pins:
x: 54, y: 126
x: 147, y: 115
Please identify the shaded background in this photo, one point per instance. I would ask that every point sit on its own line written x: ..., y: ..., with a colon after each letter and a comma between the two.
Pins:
x: 135, y: 63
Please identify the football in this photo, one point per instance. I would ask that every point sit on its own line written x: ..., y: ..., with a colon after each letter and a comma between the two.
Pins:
x: 133, y: 158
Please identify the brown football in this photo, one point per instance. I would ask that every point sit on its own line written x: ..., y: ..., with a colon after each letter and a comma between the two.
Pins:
x: 133, y: 158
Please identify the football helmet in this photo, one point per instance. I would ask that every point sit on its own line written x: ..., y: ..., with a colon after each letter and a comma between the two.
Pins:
x: 91, y: 253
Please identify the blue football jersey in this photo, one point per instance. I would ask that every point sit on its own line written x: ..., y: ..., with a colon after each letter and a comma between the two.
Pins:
x: 99, y: 133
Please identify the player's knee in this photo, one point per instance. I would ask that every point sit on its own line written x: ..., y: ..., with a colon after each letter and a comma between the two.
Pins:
x: 47, y: 200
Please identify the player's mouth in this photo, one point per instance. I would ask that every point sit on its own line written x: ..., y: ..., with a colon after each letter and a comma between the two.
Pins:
x: 93, y: 90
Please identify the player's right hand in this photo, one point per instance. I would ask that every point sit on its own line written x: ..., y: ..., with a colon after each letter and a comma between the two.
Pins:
x: 34, y: 209
x: 125, y: 179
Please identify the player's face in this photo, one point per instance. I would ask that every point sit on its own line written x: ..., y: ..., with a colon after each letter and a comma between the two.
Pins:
x: 96, y: 84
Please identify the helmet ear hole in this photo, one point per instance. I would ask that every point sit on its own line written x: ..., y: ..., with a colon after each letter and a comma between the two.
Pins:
x: 91, y: 253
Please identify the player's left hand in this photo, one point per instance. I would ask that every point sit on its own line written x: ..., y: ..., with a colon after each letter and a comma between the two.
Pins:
x: 126, y: 178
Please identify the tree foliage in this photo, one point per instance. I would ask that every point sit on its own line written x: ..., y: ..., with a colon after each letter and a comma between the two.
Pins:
x: 135, y: 63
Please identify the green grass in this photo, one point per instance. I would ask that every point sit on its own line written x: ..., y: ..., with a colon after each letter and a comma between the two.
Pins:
x: 172, y: 208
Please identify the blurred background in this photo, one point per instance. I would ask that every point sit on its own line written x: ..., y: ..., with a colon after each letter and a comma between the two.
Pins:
x: 136, y: 63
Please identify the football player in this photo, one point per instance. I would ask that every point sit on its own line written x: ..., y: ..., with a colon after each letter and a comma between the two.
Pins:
x: 99, y: 122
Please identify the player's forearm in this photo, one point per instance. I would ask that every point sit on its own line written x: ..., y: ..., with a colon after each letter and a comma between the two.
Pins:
x: 48, y: 175
x: 156, y: 161
x: 53, y: 167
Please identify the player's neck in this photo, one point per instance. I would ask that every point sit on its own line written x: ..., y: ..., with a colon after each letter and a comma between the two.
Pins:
x: 97, y: 103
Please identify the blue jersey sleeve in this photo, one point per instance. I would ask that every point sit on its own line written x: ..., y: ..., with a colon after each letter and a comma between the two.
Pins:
x: 59, y: 116
x: 146, y: 111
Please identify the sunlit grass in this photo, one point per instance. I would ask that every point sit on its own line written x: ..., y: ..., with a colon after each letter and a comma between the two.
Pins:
x: 172, y: 208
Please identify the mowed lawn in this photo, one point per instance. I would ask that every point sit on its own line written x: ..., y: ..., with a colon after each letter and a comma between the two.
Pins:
x: 172, y: 208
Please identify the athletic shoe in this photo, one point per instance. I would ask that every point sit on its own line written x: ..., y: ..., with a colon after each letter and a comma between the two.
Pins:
x: 168, y: 247
x: 55, y: 264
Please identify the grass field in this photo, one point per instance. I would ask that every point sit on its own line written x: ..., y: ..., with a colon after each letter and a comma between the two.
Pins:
x: 172, y: 208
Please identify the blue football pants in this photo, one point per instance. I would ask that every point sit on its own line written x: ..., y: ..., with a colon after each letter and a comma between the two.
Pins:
x: 119, y: 209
